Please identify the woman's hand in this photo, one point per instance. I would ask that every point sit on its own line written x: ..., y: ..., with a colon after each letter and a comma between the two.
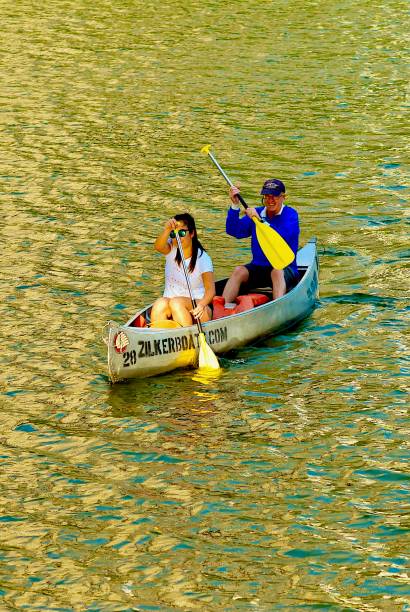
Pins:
x: 198, y: 311
x: 170, y: 225
x: 202, y: 312
x: 162, y: 242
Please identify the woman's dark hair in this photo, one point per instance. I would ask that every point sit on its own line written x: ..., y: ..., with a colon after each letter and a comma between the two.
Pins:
x: 196, y: 245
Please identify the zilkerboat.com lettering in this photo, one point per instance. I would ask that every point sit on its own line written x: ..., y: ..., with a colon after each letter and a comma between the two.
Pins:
x: 164, y: 346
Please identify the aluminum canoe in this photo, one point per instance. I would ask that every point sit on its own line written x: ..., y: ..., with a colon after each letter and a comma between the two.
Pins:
x: 135, y: 352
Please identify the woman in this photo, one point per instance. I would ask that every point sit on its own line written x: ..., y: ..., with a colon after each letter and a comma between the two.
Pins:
x: 176, y: 302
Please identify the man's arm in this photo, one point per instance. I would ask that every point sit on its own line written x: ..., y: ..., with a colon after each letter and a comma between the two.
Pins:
x: 236, y: 227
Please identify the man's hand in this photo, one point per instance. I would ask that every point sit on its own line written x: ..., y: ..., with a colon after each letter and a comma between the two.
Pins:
x: 233, y: 192
x: 252, y: 212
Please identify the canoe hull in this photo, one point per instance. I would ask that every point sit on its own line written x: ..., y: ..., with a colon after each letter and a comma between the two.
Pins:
x: 141, y: 352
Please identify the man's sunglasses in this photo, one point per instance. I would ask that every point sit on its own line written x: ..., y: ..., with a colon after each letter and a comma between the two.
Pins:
x: 264, y: 198
x: 181, y: 233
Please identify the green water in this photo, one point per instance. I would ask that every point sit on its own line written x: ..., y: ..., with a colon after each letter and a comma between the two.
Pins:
x: 284, y: 485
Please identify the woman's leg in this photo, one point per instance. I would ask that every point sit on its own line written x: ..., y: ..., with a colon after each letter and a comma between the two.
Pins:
x: 160, y: 310
x: 180, y: 307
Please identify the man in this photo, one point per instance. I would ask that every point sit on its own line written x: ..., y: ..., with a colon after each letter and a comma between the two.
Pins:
x: 284, y: 219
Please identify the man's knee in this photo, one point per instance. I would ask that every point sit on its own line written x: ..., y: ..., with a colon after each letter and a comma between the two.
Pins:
x: 241, y: 273
x: 278, y: 283
x: 277, y: 275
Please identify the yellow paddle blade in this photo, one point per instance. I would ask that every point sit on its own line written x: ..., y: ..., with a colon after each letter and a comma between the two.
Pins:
x: 207, y: 358
x: 276, y: 249
x: 205, y: 149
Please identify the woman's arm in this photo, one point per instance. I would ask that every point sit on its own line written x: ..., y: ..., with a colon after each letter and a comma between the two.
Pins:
x: 161, y: 244
x: 209, y: 284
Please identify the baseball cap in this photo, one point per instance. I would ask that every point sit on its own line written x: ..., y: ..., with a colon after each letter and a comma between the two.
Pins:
x: 273, y: 187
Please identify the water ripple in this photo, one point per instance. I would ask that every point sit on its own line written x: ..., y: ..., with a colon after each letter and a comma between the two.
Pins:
x: 281, y: 484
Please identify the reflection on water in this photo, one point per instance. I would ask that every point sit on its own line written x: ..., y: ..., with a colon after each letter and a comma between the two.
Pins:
x: 281, y: 483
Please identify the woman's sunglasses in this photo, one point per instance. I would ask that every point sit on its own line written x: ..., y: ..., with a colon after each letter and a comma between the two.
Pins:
x: 181, y: 233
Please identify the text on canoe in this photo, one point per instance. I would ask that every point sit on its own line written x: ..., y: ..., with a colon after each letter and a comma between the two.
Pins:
x: 164, y: 346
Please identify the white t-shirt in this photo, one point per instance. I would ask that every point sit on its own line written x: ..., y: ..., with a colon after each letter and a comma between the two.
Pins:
x: 175, y: 283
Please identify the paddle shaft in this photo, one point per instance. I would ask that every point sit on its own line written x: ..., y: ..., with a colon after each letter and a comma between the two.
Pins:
x: 188, y: 282
x: 207, y: 360
x: 228, y: 180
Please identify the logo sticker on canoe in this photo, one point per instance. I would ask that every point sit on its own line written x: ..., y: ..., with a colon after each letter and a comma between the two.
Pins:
x: 120, y: 342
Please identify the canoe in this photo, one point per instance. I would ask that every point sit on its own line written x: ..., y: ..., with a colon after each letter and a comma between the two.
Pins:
x: 135, y: 349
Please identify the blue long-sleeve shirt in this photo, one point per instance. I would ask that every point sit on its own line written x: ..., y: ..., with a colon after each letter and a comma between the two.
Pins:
x: 286, y: 224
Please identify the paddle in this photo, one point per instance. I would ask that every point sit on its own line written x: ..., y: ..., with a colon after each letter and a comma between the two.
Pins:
x: 207, y: 358
x: 275, y: 248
